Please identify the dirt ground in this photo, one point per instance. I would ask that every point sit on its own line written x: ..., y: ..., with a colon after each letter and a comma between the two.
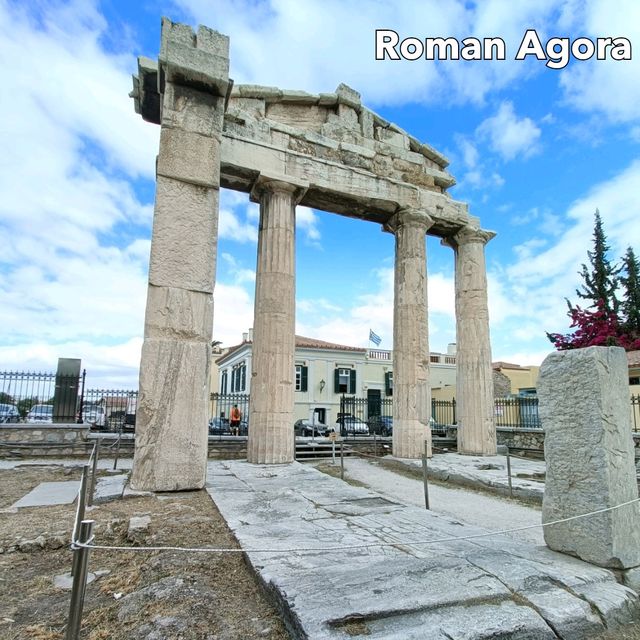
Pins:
x: 142, y: 595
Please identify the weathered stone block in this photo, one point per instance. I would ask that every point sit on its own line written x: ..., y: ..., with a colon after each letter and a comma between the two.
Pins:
x: 189, y: 157
x: 171, y: 422
x: 179, y: 314
x: 200, y: 61
x: 185, y: 228
x: 584, y: 411
x: 192, y: 110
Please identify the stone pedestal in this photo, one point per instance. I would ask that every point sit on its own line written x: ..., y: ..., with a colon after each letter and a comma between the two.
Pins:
x: 411, y: 385
x: 474, y: 378
x: 584, y: 408
x: 171, y: 422
x: 271, y: 437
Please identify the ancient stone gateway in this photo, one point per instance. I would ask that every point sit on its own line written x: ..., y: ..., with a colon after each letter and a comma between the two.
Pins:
x: 286, y: 148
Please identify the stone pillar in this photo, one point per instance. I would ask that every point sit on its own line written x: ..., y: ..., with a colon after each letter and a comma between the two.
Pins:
x: 271, y: 437
x: 474, y: 377
x: 584, y: 408
x: 171, y: 422
x: 411, y: 384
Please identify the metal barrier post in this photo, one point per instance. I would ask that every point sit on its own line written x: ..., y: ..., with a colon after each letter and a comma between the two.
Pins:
x: 375, y: 444
x: 509, y: 473
x: 424, y: 476
x: 82, y: 495
x: 341, y: 460
x: 94, y: 469
x: 115, y: 460
x: 79, y: 582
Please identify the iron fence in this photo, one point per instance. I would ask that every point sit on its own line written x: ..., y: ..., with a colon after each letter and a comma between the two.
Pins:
x: 518, y: 413
x: 109, y: 409
x: 635, y: 413
x: 223, y: 408
x: 40, y: 398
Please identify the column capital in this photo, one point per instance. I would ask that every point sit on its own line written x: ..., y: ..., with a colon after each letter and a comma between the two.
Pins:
x: 408, y: 216
x: 278, y: 184
x: 467, y: 235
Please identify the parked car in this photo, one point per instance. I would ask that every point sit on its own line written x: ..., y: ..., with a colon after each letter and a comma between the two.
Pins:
x: 308, y: 429
x: 219, y: 427
x: 9, y: 413
x: 93, y: 414
x: 40, y: 413
x: 382, y: 425
x: 352, y: 425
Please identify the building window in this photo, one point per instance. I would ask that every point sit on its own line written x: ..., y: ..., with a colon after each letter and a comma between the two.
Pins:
x: 301, y: 377
x: 345, y: 381
x: 634, y: 380
x: 388, y: 383
x: 224, y: 383
x: 239, y: 378
x: 434, y: 358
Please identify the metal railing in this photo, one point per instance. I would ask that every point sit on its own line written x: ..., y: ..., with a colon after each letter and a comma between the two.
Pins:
x: 39, y: 397
x: 635, y: 413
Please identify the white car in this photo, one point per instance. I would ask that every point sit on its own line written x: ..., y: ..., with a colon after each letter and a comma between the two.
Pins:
x: 352, y: 425
x: 9, y: 413
x: 93, y: 414
x: 40, y: 413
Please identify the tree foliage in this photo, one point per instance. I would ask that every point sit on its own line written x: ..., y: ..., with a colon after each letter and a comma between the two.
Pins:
x: 600, y: 280
x: 607, y: 321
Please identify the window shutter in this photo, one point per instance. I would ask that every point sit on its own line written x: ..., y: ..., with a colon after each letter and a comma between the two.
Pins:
x: 336, y: 381
x: 303, y: 378
x: 388, y: 388
x: 352, y: 382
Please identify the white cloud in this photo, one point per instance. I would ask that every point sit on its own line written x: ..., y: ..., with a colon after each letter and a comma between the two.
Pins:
x: 608, y: 87
x: 325, y: 33
x: 233, y: 313
x: 239, y: 273
x: 307, y: 222
x: 508, y: 135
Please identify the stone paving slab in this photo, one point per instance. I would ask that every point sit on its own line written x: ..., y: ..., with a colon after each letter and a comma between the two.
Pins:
x: 110, y: 487
x: 488, y: 472
x: 49, y: 493
x: 471, y: 589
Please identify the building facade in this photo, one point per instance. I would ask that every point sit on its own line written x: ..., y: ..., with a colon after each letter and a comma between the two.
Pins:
x: 324, y: 371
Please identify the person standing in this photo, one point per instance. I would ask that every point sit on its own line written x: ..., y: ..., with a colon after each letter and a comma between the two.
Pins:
x: 235, y: 419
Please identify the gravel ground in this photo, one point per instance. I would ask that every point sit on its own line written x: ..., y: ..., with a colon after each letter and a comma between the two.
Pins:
x: 146, y: 596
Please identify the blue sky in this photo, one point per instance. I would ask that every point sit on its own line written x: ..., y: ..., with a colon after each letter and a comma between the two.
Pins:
x: 534, y: 151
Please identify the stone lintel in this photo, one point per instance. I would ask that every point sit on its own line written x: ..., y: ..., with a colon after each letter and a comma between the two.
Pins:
x: 146, y: 97
x: 266, y: 182
x: 197, y: 60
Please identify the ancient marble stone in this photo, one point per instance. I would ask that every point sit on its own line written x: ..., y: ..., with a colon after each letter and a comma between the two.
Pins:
x: 474, y: 379
x: 271, y: 437
x: 172, y: 414
x: 173, y: 408
x: 185, y: 228
x: 411, y: 388
x: 584, y: 409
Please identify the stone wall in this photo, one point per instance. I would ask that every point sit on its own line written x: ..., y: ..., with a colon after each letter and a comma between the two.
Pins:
x: 43, y: 439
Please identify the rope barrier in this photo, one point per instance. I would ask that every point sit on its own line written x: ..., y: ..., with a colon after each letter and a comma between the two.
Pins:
x: 77, y: 545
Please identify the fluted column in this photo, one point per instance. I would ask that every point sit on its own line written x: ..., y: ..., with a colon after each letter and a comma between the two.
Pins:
x: 411, y: 384
x: 271, y: 438
x: 474, y: 378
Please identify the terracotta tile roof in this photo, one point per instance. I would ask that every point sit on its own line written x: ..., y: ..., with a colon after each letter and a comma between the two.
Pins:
x: 303, y: 343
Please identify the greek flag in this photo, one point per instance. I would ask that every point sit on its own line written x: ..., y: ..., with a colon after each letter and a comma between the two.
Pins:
x: 373, y: 337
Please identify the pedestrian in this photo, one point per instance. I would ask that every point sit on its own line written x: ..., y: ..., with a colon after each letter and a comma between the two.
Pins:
x: 236, y: 418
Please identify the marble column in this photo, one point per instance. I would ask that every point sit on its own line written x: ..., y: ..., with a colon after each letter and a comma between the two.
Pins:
x: 474, y: 379
x: 271, y: 437
x: 172, y: 412
x: 411, y: 384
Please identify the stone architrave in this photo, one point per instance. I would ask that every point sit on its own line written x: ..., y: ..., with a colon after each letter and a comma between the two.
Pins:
x: 172, y: 412
x: 411, y: 384
x: 271, y: 410
x: 474, y: 376
x: 584, y: 408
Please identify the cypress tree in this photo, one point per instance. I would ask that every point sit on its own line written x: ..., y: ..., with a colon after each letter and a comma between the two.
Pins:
x: 601, y: 281
x: 630, y: 281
